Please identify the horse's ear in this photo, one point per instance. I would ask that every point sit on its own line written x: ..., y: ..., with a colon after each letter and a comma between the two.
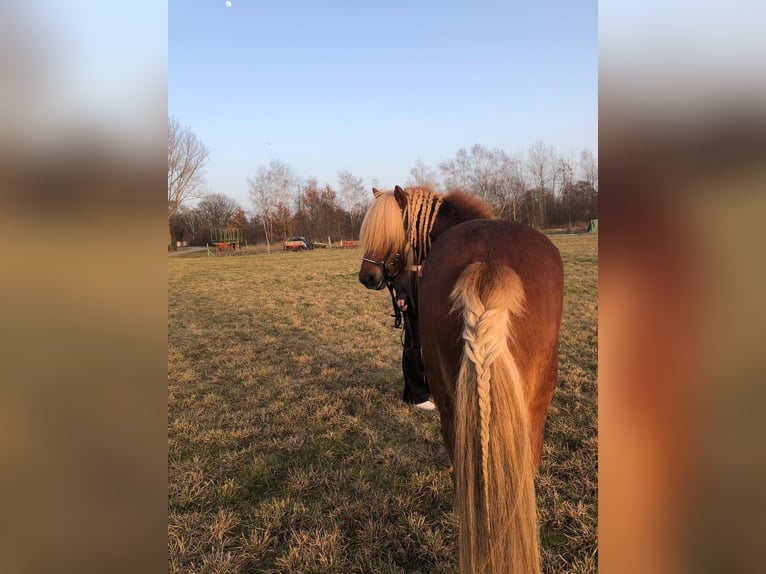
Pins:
x: 401, y: 197
x: 375, y: 192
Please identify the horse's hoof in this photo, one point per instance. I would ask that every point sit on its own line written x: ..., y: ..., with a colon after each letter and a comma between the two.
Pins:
x: 426, y: 406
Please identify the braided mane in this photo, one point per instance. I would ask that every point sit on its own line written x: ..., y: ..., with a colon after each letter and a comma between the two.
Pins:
x: 419, y: 218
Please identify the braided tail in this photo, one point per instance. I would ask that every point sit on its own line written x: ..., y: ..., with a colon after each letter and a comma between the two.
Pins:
x: 494, y: 474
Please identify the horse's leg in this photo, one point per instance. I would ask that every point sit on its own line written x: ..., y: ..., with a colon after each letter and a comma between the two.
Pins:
x: 544, y: 382
x: 443, y: 399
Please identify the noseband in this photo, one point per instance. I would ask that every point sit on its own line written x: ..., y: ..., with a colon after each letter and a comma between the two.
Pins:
x: 384, y: 267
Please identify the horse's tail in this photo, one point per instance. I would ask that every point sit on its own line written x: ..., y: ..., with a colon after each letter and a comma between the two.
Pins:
x: 494, y: 473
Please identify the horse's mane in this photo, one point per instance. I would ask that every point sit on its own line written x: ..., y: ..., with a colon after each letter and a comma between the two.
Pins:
x: 470, y: 205
x: 382, y: 229
x: 419, y: 217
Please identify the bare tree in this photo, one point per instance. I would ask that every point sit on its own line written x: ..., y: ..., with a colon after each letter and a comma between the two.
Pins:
x: 178, y: 227
x: 589, y: 168
x: 510, y: 186
x: 271, y: 188
x: 423, y: 176
x: 356, y: 198
x: 541, y: 163
x: 566, y: 177
x: 217, y: 210
x: 191, y: 221
x: 455, y: 172
x: 491, y: 175
x: 185, y: 223
x: 186, y: 159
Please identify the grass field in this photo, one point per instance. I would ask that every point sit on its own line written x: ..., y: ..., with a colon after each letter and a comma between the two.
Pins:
x: 289, y: 449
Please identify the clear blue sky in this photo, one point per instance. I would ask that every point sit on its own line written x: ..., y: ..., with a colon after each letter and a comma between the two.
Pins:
x: 371, y: 87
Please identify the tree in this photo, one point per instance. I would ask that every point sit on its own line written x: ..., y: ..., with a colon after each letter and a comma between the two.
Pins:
x: 282, y: 221
x: 582, y: 200
x: 355, y: 198
x: 192, y: 222
x: 270, y: 191
x: 507, y: 194
x: 589, y: 168
x: 491, y: 175
x: 239, y: 220
x: 331, y: 214
x: 565, y: 177
x: 589, y: 180
x: 423, y: 176
x: 185, y: 224
x: 541, y: 163
x: 217, y: 210
x: 308, y: 208
x: 186, y: 160
x: 455, y: 172
x: 178, y: 228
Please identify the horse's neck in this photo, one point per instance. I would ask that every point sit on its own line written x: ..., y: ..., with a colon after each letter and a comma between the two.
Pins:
x: 433, y: 216
x: 448, y: 216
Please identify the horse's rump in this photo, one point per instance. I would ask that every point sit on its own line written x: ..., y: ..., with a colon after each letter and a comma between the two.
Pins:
x: 538, y: 265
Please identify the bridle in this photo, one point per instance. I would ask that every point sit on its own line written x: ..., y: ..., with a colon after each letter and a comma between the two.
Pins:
x: 384, y: 266
x: 389, y: 278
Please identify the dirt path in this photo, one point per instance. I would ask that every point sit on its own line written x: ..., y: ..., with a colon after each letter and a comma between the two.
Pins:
x: 182, y: 250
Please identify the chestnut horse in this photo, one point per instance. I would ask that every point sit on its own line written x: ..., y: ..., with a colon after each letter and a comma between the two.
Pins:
x: 489, y: 297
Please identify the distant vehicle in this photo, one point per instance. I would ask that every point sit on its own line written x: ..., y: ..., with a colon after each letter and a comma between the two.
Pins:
x: 298, y: 243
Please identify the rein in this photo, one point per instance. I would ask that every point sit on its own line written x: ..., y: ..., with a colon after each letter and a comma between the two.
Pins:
x: 389, y: 278
x: 390, y: 284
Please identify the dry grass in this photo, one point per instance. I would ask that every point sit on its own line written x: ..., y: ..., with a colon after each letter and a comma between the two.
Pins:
x: 290, y: 450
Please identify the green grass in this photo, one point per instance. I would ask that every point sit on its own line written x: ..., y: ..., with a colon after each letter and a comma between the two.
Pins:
x: 290, y: 449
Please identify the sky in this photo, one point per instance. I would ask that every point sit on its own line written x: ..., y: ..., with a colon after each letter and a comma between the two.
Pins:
x: 373, y: 87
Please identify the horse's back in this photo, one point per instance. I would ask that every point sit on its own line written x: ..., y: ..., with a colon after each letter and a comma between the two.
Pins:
x: 527, y: 251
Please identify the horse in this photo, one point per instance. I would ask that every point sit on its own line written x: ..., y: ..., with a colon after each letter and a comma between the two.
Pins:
x: 489, y: 294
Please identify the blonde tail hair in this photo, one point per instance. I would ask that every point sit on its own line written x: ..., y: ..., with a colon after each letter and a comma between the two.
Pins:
x: 494, y: 473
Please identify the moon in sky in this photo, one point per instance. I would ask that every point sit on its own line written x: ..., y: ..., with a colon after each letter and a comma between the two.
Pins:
x: 228, y: 3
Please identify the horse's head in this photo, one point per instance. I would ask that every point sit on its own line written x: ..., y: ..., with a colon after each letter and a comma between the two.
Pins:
x: 383, y: 239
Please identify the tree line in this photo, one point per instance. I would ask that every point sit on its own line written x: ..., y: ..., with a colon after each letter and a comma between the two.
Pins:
x: 540, y: 188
